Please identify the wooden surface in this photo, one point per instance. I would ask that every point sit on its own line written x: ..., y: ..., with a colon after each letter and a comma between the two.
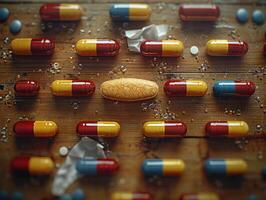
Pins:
x: 130, y: 148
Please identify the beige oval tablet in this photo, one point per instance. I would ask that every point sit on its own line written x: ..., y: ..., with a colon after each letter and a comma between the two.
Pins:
x: 129, y: 89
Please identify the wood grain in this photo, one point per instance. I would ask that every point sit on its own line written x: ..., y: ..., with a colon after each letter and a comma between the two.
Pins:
x: 130, y: 148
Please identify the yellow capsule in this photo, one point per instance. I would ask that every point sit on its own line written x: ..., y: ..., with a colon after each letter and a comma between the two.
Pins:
x: 32, y: 165
x: 226, y: 48
x: 176, y: 88
x: 199, y: 196
x: 73, y: 88
x: 26, y: 128
x: 164, y: 129
x: 60, y: 12
x: 163, y: 167
x: 131, y: 196
x: 98, y: 128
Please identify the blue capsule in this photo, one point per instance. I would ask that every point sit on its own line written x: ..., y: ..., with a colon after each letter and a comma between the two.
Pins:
x: 4, y: 14
x: 15, y: 26
x: 242, y: 15
x: 253, y: 197
x: 17, y: 196
x: 234, y: 88
x: 66, y: 197
x: 78, y: 194
x: 258, y: 17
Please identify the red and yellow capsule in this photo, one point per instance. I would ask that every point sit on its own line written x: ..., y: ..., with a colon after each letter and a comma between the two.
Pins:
x: 26, y: 88
x: 199, y: 12
x: 131, y: 196
x: 32, y: 46
x: 227, y: 128
x: 164, y: 129
x: 97, y: 47
x: 163, y: 48
x: 226, y: 48
x: 73, y: 88
x: 60, y: 12
x: 192, y: 88
x: 32, y: 165
x: 199, y: 196
x: 35, y: 128
x: 98, y: 128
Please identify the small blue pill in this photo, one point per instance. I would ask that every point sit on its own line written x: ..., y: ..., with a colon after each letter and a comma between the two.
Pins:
x: 3, y: 195
x: 15, y: 26
x: 242, y: 15
x: 4, y: 14
x: 253, y: 197
x: 78, y: 194
x: 17, y: 196
x: 258, y: 17
x: 65, y: 197
x: 264, y: 172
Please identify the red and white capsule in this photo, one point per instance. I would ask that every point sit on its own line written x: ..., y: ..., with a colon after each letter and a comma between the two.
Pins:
x: 26, y: 88
x: 199, y: 12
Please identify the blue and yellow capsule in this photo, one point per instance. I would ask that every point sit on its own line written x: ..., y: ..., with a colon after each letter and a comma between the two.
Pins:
x: 234, y: 88
x: 163, y: 167
x: 225, y: 167
x: 130, y: 12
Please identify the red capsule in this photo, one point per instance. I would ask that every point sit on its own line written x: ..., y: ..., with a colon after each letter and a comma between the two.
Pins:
x: 32, y: 46
x: 199, y: 12
x: 26, y: 88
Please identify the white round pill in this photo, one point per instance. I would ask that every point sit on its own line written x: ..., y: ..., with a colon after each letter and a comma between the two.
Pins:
x: 194, y: 50
x: 63, y: 151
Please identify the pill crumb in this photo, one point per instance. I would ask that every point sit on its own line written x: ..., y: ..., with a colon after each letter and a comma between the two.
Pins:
x: 63, y: 151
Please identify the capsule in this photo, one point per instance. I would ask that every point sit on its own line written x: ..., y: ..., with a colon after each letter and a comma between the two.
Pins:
x: 164, y: 129
x: 225, y: 167
x: 32, y: 46
x: 199, y: 196
x: 163, y: 167
x: 100, y: 166
x: 97, y: 47
x: 130, y: 12
x: 199, y: 12
x: 234, y: 88
x: 60, y: 12
x: 226, y: 48
x: 27, y: 88
x: 162, y: 48
x: 35, y: 128
x: 227, y: 128
x: 131, y: 196
x: 98, y: 128
x: 190, y: 88
x: 73, y: 88
x: 32, y: 166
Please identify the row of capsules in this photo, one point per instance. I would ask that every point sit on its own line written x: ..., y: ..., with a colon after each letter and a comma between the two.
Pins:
x: 172, y: 88
x: 127, y: 12
x: 109, y: 47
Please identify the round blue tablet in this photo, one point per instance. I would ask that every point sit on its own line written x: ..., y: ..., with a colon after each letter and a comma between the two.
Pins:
x: 78, y: 194
x: 252, y: 197
x: 264, y: 171
x: 65, y: 197
x: 15, y: 26
x: 3, y: 195
x: 242, y: 15
x: 258, y: 17
x: 4, y: 14
x: 17, y: 196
